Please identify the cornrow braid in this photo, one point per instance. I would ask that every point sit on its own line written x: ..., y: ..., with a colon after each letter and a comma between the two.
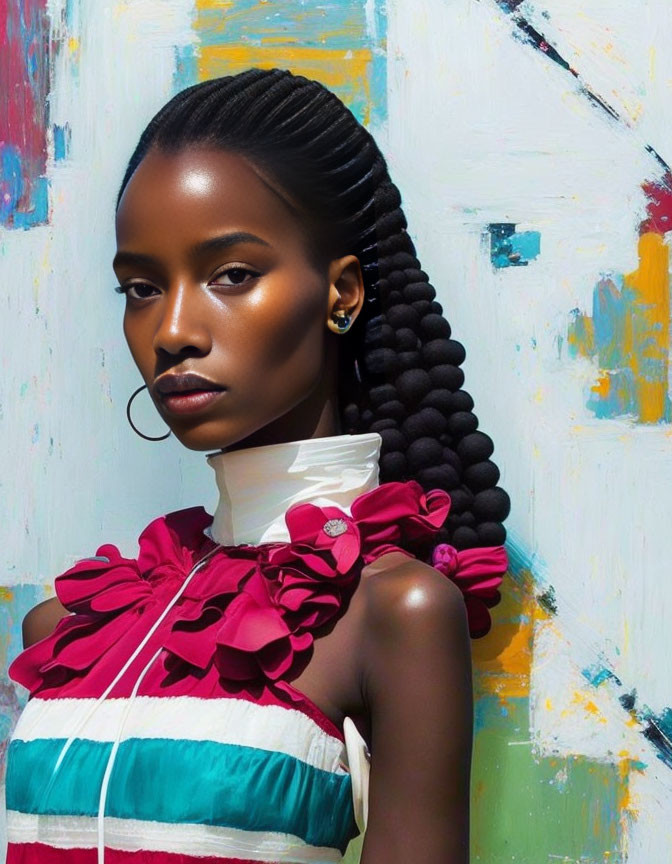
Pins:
x: 400, y: 368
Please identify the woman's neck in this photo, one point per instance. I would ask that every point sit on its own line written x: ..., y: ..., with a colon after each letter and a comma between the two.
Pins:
x: 258, y: 484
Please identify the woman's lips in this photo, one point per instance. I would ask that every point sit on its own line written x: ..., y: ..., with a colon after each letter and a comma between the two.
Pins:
x: 187, y: 401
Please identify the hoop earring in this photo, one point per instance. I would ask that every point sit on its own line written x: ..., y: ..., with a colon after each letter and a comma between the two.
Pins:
x: 135, y: 429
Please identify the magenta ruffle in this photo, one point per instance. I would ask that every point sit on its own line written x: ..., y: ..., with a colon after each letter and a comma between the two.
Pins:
x: 253, y: 611
x: 478, y: 573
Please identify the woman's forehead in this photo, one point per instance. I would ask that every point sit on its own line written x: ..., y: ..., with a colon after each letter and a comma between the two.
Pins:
x: 198, y: 190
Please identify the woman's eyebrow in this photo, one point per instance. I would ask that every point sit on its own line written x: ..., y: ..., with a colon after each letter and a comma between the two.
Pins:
x: 220, y: 243
x: 226, y: 240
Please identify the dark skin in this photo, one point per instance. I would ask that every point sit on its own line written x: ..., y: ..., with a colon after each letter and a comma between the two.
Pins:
x: 257, y: 317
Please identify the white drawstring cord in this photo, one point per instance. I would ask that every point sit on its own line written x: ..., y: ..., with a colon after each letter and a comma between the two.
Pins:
x: 110, y: 762
x: 119, y: 674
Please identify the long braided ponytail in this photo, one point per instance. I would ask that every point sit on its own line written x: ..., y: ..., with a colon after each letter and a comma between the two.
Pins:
x: 401, y: 374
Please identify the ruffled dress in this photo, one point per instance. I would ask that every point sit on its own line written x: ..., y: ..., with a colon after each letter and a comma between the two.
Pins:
x: 162, y: 726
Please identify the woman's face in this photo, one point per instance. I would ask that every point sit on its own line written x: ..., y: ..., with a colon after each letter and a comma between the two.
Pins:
x: 219, y: 282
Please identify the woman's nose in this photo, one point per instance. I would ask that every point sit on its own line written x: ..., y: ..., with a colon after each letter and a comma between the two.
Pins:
x: 183, y: 323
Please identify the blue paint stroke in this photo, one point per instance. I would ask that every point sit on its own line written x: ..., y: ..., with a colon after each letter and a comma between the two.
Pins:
x: 509, y: 248
x: 598, y: 673
x: 185, y: 73
x: 12, y: 190
x: 61, y: 142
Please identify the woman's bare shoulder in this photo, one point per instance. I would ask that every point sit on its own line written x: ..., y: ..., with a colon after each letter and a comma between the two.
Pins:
x: 40, y: 621
x: 401, y: 586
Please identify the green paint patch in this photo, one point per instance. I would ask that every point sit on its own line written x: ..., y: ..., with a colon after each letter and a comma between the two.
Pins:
x: 528, y: 809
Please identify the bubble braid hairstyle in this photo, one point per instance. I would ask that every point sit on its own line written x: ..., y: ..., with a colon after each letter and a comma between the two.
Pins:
x: 400, y: 370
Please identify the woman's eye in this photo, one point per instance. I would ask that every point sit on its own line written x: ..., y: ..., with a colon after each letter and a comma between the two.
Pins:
x: 235, y: 275
x: 231, y: 277
x: 137, y: 287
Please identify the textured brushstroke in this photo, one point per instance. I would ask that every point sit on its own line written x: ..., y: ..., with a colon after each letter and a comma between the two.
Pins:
x: 638, y: 383
x: 511, y: 248
x: 629, y: 335
x: 341, y: 44
x: 24, y: 84
x: 658, y: 731
x: 529, y: 35
x: 656, y: 727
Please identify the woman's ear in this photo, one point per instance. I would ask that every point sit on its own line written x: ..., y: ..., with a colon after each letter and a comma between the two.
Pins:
x: 346, y: 293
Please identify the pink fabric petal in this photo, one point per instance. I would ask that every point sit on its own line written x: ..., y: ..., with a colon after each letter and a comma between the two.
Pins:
x: 346, y: 551
x: 176, y: 538
x: 195, y: 646
x: 248, y: 626
x: 478, y: 573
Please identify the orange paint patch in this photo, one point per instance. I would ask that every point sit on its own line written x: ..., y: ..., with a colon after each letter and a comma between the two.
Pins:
x: 649, y: 327
x: 503, y: 660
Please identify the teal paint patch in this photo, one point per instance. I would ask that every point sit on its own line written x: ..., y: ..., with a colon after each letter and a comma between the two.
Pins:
x: 598, y: 673
x: 611, y: 305
x: 62, y: 136
x: 186, y: 68
x: 509, y: 248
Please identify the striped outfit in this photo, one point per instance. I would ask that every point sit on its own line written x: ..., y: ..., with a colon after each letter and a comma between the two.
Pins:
x: 162, y: 727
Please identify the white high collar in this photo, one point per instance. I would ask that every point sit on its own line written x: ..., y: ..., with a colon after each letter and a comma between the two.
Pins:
x: 258, y: 484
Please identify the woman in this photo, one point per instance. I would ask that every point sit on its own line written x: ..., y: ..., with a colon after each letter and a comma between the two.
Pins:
x: 216, y: 698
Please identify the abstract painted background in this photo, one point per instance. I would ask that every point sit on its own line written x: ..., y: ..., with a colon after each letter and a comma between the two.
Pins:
x: 531, y: 143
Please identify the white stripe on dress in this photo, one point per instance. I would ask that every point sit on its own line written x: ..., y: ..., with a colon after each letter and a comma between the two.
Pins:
x: 76, y: 832
x: 225, y: 721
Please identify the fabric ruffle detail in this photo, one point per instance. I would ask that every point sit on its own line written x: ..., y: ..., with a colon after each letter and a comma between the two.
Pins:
x: 106, y: 597
x: 252, y: 611
x: 285, y: 592
x: 478, y: 573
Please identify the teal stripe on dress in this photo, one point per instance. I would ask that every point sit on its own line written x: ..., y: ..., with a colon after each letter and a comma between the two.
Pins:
x: 170, y: 780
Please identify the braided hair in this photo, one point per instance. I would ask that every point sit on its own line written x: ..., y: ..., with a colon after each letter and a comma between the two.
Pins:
x: 400, y: 369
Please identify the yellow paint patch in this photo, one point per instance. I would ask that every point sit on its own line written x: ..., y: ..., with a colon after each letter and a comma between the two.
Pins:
x: 337, y: 69
x: 6, y: 595
x: 648, y: 327
x: 583, y: 700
